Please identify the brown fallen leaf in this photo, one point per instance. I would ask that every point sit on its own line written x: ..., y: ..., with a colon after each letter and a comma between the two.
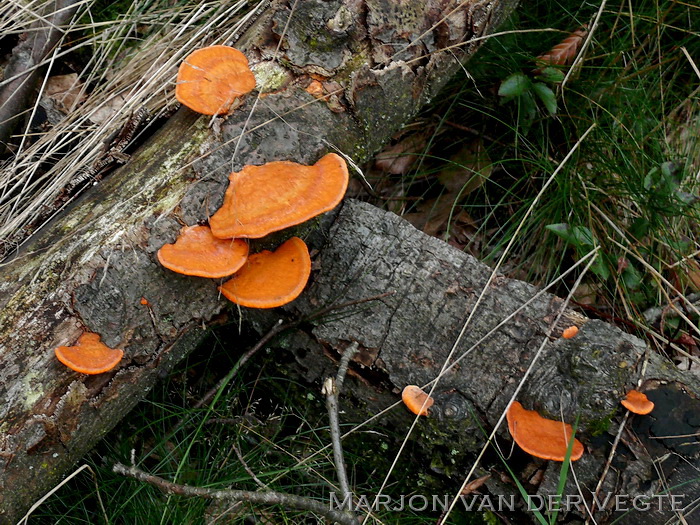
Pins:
x: 474, y: 485
x: 398, y: 158
x: 564, y: 52
x: 66, y: 91
x: 443, y: 216
x: 106, y: 111
x: 692, y: 274
x: 467, y: 169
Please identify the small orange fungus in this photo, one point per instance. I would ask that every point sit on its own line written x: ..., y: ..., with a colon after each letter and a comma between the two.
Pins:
x: 211, y: 79
x: 541, y: 437
x: 144, y: 301
x: 197, y: 252
x: 416, y: 400
x: 268, y: 198
x: 271, y: 279
x: 570, y: 332
x: 637, y: 403
x: 315, y: 88
x: 89, y: 355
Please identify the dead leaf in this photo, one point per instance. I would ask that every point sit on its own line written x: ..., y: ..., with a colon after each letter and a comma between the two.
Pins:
x: 467, y: 170
x: 443, y: 216
x: 66, y: 91
x: 108, y: 109
x: 693, y: 274
x: 474, y: 485
x: 564, y: 52
x: 399, y: 158
x: 586, y: 294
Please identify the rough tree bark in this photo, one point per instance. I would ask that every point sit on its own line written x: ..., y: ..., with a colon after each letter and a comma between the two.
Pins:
x: 379, y: 64
x: 405, y: 338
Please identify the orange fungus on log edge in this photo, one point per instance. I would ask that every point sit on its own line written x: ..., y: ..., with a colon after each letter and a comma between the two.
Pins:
x: 211, y: 79
x: 197, y: 252
x: 277, y: 195
x: 541, y: 437
x: 416, y: 400
x: 89, y: 355
x: 271, y: 279
x: 637, y: 403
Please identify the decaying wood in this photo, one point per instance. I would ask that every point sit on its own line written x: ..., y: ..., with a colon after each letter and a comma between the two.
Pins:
x: 406, y: 337
x: 379, y: 64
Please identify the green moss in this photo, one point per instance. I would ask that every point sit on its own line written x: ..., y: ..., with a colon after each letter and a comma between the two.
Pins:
x: 270, y: 76
x: 599, y: 426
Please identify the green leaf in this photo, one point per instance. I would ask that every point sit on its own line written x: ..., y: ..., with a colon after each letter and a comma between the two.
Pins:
x: 640, y: 227
x: 514, y: 86
x: 632, y: 277
x: 561, y: 229
x: 547, y: 97
x: 551, y: 75
x: 578, y: 236
x: 528, y: 108
x: 651, y: 178
x: 600, y: 267
x: 583, y: 237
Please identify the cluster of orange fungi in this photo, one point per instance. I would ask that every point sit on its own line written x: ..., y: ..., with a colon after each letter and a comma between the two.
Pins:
x: 536, y: 435
x: 548, y: 439
x: 259, y: 200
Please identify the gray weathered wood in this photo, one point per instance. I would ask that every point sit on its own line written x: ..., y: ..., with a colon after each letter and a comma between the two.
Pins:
x: 89, y: 269
x: 405, y: 339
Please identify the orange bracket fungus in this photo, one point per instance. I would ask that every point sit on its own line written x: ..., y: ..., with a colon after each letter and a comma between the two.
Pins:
x: 541, y: 437
x: 637, y: 403
x: 211, y: 79
x: 271, y: 279
x: 268, y: 198
x: 570, y: 332
x: 197, y: 252
x: 89, y: 355
x: 416, y: 400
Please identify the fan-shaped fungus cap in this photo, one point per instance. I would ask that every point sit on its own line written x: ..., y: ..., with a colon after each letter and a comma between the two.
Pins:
x: 541, y: 437
x: 277, y: 195
x: 89, y: 355
x: 197, y: 252
x: 570, y: 332
x: 271, y: 279
x: 211, y: 79
x: 416, y: 400
x: 638, y: 403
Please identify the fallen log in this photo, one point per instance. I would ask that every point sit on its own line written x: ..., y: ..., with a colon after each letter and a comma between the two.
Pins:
x: 406, y: 338
x: 91, y: 267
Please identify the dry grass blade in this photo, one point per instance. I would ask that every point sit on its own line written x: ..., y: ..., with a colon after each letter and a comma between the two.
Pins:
x: 117, y: 81
x: 564, y: 52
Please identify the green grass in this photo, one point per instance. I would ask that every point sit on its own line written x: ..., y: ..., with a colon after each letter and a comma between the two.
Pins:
x: 272, y: 420
x: 631, y: 186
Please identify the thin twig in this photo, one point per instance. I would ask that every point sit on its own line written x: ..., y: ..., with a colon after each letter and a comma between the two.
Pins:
x: 248, y: 469
x: 262, y: 498
x: 274, y: 331
x: 611, y: 456
x: 331, y: 389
